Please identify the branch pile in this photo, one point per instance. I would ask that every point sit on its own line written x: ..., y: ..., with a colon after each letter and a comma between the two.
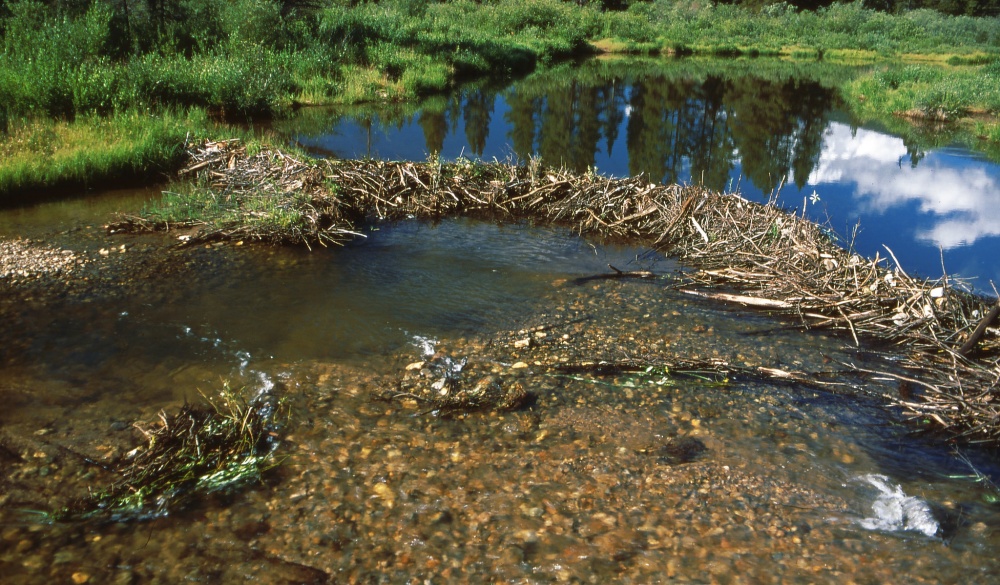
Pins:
x: 745, y: 252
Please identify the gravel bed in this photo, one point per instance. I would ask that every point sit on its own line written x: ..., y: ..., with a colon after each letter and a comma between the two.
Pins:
x: 23, y: 260
x: 624, y: 479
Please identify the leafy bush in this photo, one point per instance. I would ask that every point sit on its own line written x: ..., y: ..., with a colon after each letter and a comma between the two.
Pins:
x: 633, y: 26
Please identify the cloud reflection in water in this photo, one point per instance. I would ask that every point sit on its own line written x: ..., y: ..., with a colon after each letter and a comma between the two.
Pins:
x: 959, y: 193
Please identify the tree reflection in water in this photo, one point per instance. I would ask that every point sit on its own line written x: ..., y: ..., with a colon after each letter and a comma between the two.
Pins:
x: 678, y: 129
x: 714, y: 122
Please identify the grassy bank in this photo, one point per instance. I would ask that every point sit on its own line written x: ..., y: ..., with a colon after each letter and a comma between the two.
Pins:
x: 79, y: 70
x: 927, y: 67
x: 931, y: 94
x: 132, y: 147
x: 844, y: 31
x: 251, y: 57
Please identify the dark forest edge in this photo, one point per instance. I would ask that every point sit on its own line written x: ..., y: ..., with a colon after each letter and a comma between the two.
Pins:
x: 149, y: 74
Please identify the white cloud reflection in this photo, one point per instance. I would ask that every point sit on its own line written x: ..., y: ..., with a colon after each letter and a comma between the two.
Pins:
x: 962, y: 201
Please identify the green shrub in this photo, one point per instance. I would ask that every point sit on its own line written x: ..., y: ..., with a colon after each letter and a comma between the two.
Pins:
x: 253, y: 23
x: 631, y: 26
x: 45, y: 52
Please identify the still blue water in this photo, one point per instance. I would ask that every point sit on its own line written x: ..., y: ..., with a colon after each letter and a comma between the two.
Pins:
x: 935, y: 209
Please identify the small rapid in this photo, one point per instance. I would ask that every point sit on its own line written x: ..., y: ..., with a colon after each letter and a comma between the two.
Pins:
x: 894, y: 511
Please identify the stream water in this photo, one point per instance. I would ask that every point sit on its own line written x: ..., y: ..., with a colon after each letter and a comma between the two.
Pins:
x: 641, y: 478
x: 774, y: 131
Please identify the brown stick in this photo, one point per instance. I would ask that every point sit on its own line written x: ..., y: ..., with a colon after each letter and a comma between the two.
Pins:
x: 980, y: 330
x: 629, y: 273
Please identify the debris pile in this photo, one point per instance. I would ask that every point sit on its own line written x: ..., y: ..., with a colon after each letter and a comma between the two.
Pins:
x: 739, y: 251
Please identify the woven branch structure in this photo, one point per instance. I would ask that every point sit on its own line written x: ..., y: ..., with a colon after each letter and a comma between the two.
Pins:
x: 751, y: 253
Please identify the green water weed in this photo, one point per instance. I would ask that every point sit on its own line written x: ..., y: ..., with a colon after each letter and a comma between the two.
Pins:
x: 222, y: 445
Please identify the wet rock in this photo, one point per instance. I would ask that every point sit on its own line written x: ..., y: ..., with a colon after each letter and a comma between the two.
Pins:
x: 619, y: 545
x: 444, y: 383
x: 26, y: 259
x: 9, y: 454
x: 250, y: 530
x: 602, y: 425
x: 680, y: 450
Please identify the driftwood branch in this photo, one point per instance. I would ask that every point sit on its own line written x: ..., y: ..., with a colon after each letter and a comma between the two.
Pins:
x: 742, y: 299
x: 979, y: 331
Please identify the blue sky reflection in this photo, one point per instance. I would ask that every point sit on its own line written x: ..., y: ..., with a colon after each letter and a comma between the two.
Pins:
x: 945, y: 205
x: 948, y: 201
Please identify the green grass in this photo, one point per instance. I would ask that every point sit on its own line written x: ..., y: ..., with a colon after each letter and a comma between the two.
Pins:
x: 195, y: 204
x: 78, y: 75
x: 925, y: 91
x: 841, y: 26
x: 132, y: 146
x: 248, y: 57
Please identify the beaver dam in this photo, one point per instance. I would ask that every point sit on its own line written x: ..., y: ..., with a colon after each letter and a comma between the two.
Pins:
x: 736, y: 251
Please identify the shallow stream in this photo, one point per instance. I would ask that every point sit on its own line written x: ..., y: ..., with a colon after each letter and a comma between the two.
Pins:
x: 634, y: 478
x: 645, y: 477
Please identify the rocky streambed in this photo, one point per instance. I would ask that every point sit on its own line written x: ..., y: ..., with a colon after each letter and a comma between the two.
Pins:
x: 640, y: 475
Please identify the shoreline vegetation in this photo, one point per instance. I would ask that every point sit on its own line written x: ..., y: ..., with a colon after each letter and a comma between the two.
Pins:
x: 149, y: 75
x: 738, y: 251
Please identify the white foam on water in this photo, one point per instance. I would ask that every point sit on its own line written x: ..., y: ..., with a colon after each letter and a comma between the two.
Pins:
x: 427, y: 345
x: 897, y: 512
x: 244, y: 357
x: 266, y: 383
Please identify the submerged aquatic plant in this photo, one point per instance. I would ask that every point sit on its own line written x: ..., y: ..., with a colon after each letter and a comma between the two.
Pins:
x: 220, y: 446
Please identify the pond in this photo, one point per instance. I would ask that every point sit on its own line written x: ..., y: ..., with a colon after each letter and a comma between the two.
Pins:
x: 668, y: 473
x: 775, y: 135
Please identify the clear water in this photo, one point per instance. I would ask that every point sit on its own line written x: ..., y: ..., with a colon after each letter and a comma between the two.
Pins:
x: 789, y: 472
x: 760, y: 135
x: 372, y: 295
x: 227, y: 307
x: 43, y: 220
x: 797, y: 483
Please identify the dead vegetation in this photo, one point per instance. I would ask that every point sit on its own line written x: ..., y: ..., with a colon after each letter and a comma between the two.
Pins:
x: 739, y: 251
x: 220, y: 445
